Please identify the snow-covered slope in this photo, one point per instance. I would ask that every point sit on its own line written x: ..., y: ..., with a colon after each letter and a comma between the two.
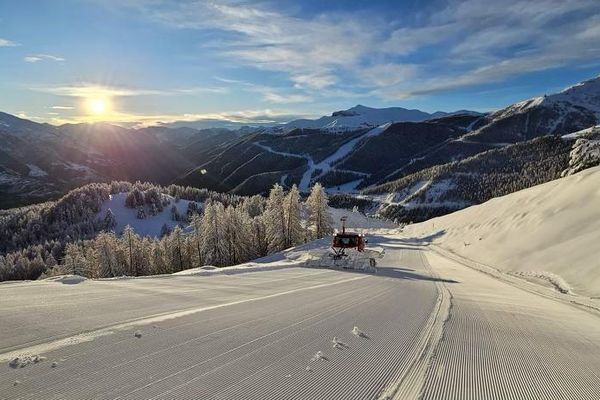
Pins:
x: 149, y: 226
x: 550, y: 232
x: 575, y: 108
x: 361, y: 117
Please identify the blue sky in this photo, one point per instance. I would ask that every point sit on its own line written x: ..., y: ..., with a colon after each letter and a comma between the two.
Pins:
x: 270, y: 61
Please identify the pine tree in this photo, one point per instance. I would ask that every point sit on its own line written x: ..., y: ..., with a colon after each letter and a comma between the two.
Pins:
x: 294, y: 233
x: 275, y: 219
x: 319, y: 218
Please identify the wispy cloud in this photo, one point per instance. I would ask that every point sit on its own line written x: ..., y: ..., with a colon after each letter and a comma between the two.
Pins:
x: 61, y: 107
x: 42, y: 57
x: 458, y: 44
x: 249, y: 117
x: 92, y: 90
x: 88, y: 90
x: 8, y: 43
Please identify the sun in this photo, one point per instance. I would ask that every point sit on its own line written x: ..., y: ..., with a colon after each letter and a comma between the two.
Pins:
x: 97, y: 106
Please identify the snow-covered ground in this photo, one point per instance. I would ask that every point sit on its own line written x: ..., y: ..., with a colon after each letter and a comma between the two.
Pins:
x: 151, y: 225
x: 552, y: 228
x: 360, y: 117
x: 327, y: 164
x: 429, y: 324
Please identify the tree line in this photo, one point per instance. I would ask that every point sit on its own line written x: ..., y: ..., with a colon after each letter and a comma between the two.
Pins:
x: 225, y: 231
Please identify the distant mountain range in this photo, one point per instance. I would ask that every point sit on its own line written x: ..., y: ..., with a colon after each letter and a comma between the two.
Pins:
x: 361, y: 117
x: 349, y: 150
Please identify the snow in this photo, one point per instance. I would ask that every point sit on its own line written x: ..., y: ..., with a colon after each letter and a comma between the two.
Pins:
x: 594, y: 130
x: 327, y: 164
x: 35, y: 171
x: 551, y: 230
x: 359, y: 117
x: 358, y: 220
x: 151, y: 225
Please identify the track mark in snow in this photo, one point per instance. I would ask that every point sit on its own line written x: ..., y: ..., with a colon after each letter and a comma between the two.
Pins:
x: 410, y: 384
x: 92, y: 335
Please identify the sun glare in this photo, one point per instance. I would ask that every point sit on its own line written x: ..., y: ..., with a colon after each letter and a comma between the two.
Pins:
x: 97, y: 106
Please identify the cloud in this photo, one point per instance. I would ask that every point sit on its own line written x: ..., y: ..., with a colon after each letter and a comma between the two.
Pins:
x: 233, y: 118
x: 42, y: 57
x: 88, y: 90
x: 92, y: 90
x: 62, y: 108
x: 310, y: 51
x: 8, y: 43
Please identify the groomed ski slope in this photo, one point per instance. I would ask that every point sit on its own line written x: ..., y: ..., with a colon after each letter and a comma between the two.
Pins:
x: 328, y: 163
x: 433, y: 327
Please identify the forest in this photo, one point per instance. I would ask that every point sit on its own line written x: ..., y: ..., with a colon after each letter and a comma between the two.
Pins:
x: 69, y: 237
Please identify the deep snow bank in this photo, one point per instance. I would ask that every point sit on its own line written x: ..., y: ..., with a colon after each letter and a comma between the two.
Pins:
x: 547, y: 230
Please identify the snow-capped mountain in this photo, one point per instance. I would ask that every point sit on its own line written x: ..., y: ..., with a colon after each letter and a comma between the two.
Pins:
x: 573, y: 109
x: 362, y: 117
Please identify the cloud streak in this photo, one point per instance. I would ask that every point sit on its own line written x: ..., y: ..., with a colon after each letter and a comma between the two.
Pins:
x: 42, y: 57
x: 8, y: 43
x: 460, y: 44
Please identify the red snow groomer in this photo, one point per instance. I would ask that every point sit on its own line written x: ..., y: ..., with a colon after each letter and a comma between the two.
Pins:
x: 346, y: 240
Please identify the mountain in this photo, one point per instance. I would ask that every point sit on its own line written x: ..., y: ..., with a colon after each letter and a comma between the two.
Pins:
x: 350, y: 150
x: 573, y: 109
x: 41, y: 161
x: 445, y: 188
x: 362, y: 117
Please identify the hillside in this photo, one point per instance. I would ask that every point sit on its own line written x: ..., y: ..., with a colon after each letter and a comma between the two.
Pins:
x: 573, y: 109
x: 445, y: 188
x: 549, y: 232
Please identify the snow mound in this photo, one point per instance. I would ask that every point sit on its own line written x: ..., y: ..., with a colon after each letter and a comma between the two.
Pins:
x: 554, y: 227
x: 358, y: 333
x: 25, y: 360
x: 66, y: 279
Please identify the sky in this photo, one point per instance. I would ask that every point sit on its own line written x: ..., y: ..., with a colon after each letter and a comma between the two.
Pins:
x: 143, y: 62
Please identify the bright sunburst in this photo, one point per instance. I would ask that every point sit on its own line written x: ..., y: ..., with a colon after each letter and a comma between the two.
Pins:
x: 97, y: 106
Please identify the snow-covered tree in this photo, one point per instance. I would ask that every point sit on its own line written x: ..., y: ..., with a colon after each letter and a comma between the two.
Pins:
x: 237, y: 235
x: 294, y: 233
x: 259, y: 242
x: 196, y: 224
x: 130, y: 242
x: 175, y: 249
x: 165, y: 230
x: 141, y: 213
x: 319, y: 218
x: 275, y: 219
x: 214, y: 245
x: 109, y: 220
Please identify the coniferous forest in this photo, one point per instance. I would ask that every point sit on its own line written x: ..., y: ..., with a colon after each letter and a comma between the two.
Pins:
x: 71, y: 236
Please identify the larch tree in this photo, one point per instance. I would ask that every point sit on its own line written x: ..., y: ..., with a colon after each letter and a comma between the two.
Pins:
x: 319, y: 218
x: 294, y: 233
x: 275, y: 219
x: 214, y: 248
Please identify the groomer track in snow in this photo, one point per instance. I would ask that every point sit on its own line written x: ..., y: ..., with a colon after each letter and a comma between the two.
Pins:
x: 432, y: 328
